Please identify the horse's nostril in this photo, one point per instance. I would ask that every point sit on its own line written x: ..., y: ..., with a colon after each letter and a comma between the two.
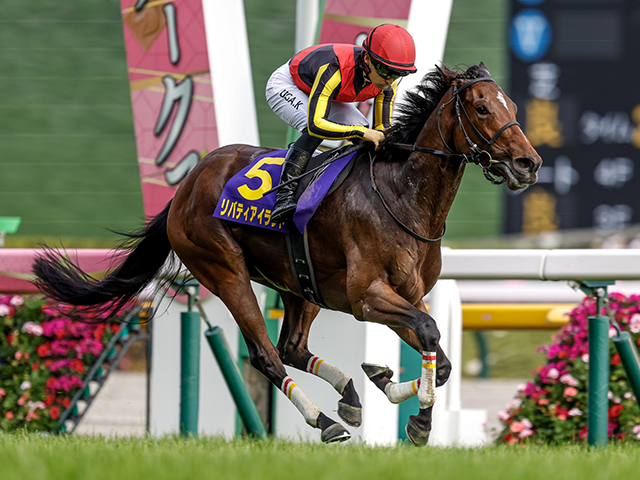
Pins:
x: 525, y: 164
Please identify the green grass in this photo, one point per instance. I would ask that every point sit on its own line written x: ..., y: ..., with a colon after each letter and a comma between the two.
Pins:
x: 32, y: 457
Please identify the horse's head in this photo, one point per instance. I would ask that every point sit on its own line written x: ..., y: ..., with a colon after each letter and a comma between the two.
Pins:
x: 488, y: 130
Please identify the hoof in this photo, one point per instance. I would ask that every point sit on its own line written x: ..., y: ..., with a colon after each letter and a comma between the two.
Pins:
x: 415, y: 434
x: 351, y: 415
x: 376, y: 371
x: 335, y: 433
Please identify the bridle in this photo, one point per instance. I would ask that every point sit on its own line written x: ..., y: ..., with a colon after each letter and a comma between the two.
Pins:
x: 476, y: 155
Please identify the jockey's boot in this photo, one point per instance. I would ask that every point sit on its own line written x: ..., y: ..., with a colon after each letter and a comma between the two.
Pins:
x: 294, y: 164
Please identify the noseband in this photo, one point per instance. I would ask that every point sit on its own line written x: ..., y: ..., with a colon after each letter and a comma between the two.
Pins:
x: 476, y: 155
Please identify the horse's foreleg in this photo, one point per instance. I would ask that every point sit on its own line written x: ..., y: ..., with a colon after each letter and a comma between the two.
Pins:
x: 381, y: 304
x: 293, y: 348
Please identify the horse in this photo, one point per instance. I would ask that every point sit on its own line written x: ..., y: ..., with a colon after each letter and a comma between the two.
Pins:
x: 374, y: 263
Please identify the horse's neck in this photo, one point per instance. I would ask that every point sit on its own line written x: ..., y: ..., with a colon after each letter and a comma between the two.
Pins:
x: 431, y: 181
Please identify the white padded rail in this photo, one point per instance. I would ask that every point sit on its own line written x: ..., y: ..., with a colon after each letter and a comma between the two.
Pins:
x: 583, y: 264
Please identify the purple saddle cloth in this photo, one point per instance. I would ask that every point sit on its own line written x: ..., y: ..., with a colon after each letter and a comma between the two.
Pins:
x: 242, y: 199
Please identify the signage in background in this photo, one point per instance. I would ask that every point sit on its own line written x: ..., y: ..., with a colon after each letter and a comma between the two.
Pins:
x: 574, y: 68
x: 171, y: 93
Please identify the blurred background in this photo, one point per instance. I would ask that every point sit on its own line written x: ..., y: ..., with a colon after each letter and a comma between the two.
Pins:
x: 68, y: 161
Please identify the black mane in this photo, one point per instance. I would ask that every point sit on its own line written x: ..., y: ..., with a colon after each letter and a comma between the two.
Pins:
x: 420, y: 102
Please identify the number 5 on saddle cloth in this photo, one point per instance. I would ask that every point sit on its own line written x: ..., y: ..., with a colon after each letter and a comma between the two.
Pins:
x: 243, y: 201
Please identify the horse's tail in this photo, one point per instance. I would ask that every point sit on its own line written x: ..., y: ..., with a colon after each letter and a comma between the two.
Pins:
x: 58, y: 278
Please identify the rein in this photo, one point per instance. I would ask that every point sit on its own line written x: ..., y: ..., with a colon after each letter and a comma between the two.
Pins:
x: 386, y: 207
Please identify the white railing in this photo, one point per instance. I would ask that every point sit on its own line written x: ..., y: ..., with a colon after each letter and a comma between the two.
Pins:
x: 452, y: 424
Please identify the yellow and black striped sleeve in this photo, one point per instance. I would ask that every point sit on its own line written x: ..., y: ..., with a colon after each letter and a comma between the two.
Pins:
x: 383, y: 107
x: 325, y: 88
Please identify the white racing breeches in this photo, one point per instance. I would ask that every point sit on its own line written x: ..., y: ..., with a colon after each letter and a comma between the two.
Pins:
x: 290, y: 103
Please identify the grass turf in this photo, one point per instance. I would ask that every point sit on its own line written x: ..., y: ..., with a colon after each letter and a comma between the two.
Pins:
x: 28, y: 457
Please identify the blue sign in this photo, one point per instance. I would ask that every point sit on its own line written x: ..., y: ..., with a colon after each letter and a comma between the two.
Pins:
x: 530, y: 35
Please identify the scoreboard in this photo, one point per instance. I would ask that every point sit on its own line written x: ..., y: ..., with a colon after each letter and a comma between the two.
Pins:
x: 575, y: 75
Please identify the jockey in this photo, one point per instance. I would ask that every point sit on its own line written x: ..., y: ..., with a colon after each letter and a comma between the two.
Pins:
x: 313, y: 92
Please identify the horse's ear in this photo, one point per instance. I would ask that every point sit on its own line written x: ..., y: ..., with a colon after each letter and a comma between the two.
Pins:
x: 484, y: 69
x: 446, y: 74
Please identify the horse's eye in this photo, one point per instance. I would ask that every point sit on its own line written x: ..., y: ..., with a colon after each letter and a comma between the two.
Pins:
x: 482, y: 110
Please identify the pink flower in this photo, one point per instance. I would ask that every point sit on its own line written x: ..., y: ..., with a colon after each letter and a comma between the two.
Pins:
x: 55, y: 326
x: 553, y: 373
x: 23, y: 399
x: 58, y: 364
x: 530, y: 389
x: 568, y: 379
x: 26, y: 385
x: 634, y: 323
x: 32, y: 329
x: 575, y: 412
x: 628, y: 395
x: 61, y: 347
x: 526, y: 423
x: 570, y: 392
x: 585, y: 358
x: 511, y: 404
x: 516, y: 427
x: 4, y: 310
x: 527, y: 432
x: 32, y: 416
x: 11, y: 416
x: 503, y: 415
x: 2, y: 392
x: 553, y: 351
x: 18, y: 355
x: 33, y: 406
x: 636, y: 429
x: 16, y: 300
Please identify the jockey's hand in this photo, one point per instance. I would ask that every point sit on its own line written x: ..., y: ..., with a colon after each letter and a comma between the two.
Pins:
x: 375, y: 136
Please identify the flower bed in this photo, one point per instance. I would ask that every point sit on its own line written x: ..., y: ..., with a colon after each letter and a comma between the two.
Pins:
x: 552, y: 408
x: 45, y: 352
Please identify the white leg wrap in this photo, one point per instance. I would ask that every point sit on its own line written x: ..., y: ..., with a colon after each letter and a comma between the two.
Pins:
x: 427, y: 389
x: 306, y: 407
x: 399, y: 392
x: 330, y: 373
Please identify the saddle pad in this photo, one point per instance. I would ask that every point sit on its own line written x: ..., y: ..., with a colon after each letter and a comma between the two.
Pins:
x: 242, y: 199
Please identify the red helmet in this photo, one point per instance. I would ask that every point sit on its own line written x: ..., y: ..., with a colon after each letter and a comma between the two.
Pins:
x: 392, y: 46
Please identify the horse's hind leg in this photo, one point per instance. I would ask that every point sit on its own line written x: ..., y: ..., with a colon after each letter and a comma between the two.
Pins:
x: 294, y: 351
x: 225, y: 274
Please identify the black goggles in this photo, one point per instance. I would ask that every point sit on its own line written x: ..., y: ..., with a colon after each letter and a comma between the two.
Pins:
x: 388, y: 73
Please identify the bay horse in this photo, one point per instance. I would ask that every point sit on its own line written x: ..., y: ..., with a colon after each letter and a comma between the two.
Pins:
x: 374, y: 263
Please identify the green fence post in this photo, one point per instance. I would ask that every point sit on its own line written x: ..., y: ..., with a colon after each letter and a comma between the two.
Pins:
x: 189, y: 366
x: 235, y: 382
x: 598, y: 387
x: 630, y: 360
